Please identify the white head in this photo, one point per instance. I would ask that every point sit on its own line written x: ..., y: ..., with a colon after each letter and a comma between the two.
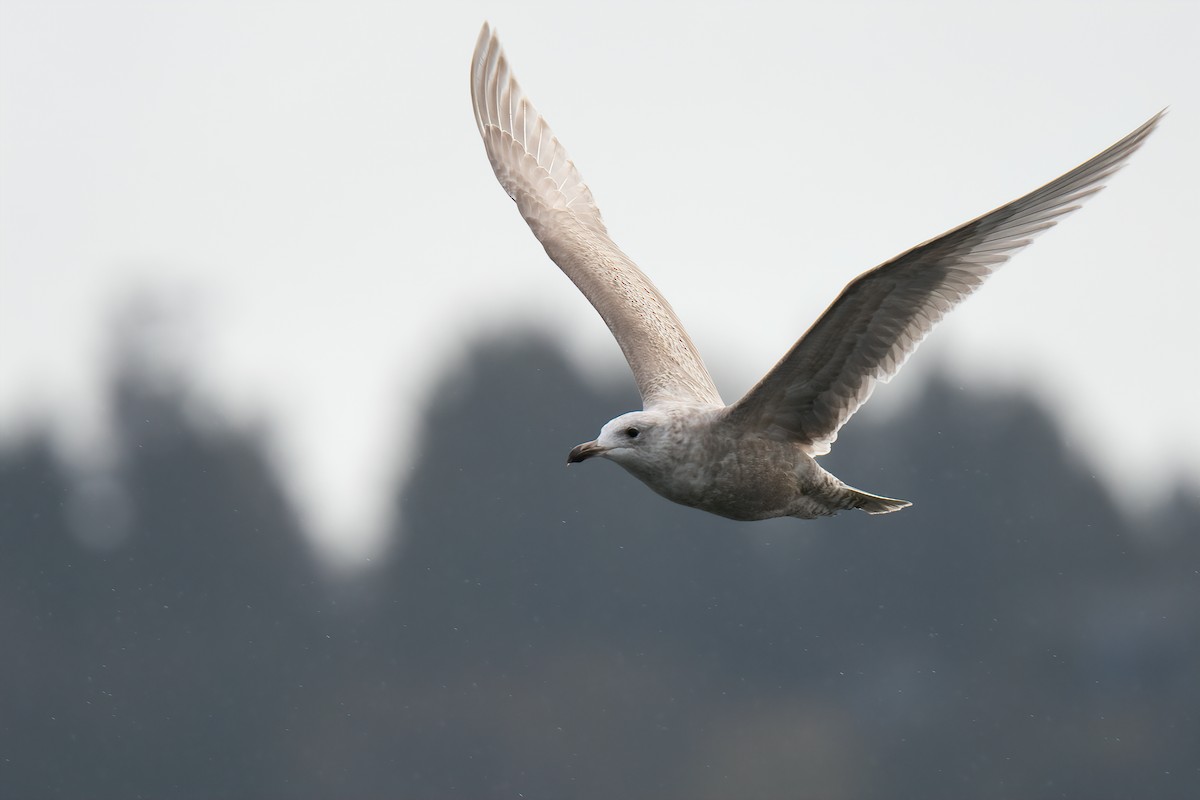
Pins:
x: 632, y: 440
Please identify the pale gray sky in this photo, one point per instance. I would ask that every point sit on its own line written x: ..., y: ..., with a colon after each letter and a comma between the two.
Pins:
x: 310, y: 175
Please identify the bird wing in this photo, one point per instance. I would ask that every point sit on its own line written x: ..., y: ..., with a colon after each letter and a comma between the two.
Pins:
x: 534, y: 169
x: 879, y: 318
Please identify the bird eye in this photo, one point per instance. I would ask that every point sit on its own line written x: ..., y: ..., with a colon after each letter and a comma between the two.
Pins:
x: 632, y: 432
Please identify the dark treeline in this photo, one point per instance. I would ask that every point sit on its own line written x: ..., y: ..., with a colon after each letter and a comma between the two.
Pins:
x: 547, y: 633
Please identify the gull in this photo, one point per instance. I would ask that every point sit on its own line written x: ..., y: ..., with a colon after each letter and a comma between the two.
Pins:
x: 754, y: 459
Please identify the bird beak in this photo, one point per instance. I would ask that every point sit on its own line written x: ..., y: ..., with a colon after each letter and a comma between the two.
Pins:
x: 585, y: 451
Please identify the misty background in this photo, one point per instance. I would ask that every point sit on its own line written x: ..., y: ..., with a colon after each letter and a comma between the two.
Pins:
x: 286, y: 388
x: 553, y: 632
x: 302, y: 186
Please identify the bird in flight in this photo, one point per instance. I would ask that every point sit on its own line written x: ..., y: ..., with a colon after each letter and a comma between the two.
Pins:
x: 754, y: 459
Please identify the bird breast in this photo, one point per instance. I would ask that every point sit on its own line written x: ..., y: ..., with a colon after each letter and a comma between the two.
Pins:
x: 743, y: 477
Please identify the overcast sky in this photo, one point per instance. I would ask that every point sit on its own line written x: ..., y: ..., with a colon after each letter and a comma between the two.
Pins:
x: 306, y: 181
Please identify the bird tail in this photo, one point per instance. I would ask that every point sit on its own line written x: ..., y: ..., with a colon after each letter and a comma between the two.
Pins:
x: 875, y: 504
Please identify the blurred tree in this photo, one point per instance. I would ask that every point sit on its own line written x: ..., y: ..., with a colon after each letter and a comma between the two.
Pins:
x: 159, y: 662
x: 544, y: 631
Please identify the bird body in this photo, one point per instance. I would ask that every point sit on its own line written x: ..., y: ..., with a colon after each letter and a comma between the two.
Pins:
x: 695, y: 456
x: 754, y: 459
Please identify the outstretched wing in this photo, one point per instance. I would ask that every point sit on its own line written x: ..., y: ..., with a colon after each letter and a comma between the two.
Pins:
x: 881, y: 317
x: 534, y: 169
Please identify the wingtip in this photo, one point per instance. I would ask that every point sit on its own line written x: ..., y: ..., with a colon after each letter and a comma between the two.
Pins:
x: 487, y: 48
x: 481, y: 41
x: 1152, y: 123
x: 1154, y: 120
x: 1142, y: 131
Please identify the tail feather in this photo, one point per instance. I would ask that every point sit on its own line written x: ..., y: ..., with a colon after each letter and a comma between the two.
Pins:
x: 876, y: 504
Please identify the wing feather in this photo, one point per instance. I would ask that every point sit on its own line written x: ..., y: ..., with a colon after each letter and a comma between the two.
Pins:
x: 534, y: 169
x: 878, y: 320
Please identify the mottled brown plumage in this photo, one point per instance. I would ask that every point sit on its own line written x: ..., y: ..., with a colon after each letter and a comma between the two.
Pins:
x: 753, y: 459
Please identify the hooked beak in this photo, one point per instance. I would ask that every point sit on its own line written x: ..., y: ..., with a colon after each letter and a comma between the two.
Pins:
x: 585, y: 451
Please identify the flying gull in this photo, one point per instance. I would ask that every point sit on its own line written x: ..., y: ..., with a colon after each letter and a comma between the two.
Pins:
x: 753, y: 459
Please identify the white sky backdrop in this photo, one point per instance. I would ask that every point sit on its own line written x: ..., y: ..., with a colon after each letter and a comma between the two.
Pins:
x: 309, y: 178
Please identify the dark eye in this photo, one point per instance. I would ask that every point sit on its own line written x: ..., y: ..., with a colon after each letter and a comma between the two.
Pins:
x: 632, y: 432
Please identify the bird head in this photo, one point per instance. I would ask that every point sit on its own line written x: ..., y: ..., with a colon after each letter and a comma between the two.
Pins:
x: 627, y: 440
